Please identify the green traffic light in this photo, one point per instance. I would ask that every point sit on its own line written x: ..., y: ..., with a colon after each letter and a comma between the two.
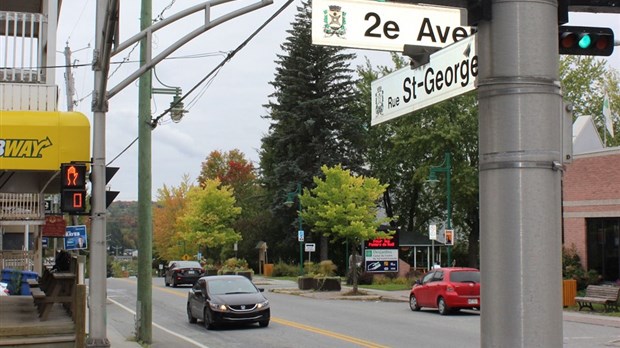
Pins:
x: 585, y: 41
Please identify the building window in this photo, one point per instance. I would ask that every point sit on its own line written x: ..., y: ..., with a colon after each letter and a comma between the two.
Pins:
x: 603, y: 239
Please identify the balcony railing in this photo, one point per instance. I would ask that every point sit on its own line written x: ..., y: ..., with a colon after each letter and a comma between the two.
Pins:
x: 17, y: 259
x: 21, y: 51
x: 21, y: 206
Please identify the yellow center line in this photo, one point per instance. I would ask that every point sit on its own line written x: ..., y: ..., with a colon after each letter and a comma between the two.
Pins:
x: 332, y: 334
x: 296, y: 325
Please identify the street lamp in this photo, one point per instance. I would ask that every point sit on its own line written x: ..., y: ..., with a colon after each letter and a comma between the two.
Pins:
x: 446, y: 167
x: 290, y: 200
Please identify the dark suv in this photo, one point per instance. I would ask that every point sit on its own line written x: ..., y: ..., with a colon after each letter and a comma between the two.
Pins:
x: 183, y: 272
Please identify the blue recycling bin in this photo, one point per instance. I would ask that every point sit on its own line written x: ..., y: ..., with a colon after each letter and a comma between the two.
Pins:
x: 6, y: 275
x: 25, y: 287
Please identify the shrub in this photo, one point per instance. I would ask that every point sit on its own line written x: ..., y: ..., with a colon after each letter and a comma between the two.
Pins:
x: 282, y: 269
x: 327, y: 268
x: 572, y: 269
x: 234, y: 265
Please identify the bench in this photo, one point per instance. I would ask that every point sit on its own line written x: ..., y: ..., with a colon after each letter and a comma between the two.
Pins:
x: 600, y: 294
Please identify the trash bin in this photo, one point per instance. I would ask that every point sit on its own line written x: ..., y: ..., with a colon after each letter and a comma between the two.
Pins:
x: 25, y: 289
x: 6, y: 275
x: 268, y: 269
x: 569, y: 291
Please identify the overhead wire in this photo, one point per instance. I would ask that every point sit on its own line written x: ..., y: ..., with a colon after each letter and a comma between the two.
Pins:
x: 219, y: 66
x: 214, y: 72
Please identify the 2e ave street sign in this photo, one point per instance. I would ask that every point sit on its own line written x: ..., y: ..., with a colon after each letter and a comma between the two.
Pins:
x: 385, y: 26
x: 452, y: 71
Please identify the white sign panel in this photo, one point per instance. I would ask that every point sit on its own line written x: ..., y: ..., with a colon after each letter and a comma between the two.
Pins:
x: 310, y: 247
x: 452, y: 71
x: 432, y: 232
x: 381, y: 254
x: 385, y: 25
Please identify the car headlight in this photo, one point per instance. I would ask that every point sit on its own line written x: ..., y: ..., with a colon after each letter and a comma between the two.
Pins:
x: 263, y: 304
x: 218, y: 307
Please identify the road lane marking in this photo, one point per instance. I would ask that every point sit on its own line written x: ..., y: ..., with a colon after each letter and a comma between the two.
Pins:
x: 332, y: 334
x: 350, y: 339
x: 197, y: 344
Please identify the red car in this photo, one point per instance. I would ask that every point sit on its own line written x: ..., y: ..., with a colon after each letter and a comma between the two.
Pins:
x: 447, y: 289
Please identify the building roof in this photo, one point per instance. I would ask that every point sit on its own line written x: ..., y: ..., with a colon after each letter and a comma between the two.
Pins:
x: 586, y: 138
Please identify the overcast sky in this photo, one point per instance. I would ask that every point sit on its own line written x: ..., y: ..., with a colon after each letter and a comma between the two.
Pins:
x: 225, y: 113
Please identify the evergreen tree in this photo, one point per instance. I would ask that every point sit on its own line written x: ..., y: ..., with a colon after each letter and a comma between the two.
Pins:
x: 314, y: 122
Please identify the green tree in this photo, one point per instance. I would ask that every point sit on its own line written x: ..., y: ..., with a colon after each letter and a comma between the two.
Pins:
x: 233, y: 169
x: 343, y: 207
x: 209, y: 215
x: 314, y: 122
x: 585, y: 80
x: 401, y: 152
x: 170, y: 206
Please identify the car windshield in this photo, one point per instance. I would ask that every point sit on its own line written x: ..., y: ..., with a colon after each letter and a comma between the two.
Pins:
x: 188, y: 264
x: 230, y: 286
x: 465, y: 276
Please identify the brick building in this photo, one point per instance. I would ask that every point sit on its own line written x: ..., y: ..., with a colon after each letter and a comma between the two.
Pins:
x: 591, y: 201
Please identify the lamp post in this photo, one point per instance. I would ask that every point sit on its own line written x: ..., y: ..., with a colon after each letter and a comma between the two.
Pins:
x: 446, y: 167
x: 290, y: 200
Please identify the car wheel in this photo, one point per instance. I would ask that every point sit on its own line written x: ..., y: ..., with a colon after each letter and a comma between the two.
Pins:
x: 263, y: 323
x: 413, y: 303
x: 442, y: 306
x: 190, y: 317
x: 208, y: 322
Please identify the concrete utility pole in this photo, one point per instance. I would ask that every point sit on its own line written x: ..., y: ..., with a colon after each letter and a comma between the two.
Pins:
x: 69, y: 79
x: 106, y: 27
x: 144, y: 310
x: 520, y: 196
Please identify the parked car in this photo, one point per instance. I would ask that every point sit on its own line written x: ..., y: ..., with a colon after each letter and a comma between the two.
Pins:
x: 447, y: 289
x: 183, y: 272
x: 226, y: 299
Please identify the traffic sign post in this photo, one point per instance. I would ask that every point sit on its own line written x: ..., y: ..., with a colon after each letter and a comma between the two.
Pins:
x: 385, y: 26
x: 452, y: 71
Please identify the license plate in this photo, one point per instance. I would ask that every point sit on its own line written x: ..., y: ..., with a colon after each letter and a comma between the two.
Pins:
x: 191, y: 272
x: 472, y: 301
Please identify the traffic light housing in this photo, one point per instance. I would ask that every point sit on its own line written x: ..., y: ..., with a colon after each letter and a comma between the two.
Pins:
x: 72, y: 188
x: 109, y: 195
x: 586, y: 41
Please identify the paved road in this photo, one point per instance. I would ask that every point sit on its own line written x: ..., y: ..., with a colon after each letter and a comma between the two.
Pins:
x: 121, y: 320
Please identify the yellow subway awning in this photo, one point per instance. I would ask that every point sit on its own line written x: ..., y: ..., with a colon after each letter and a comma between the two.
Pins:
x: 42, y: 140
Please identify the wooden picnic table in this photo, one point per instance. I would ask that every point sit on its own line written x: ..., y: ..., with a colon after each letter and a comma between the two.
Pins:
x: 59, y: 289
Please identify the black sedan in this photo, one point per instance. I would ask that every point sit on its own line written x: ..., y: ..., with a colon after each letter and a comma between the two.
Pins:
x: 227, y: 299
x: 183, y: 272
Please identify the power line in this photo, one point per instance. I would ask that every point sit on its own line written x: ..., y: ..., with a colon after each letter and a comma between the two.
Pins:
x: 155, y: 121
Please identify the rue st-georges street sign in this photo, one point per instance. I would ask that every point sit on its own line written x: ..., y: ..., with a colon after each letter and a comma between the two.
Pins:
x: 451, y: 71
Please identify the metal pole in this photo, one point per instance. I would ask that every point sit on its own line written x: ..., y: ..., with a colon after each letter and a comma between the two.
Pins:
x: 145, y: 225
x: 97, y: 336
x: 301, y: 251
x: 520, y: 195
x: 449, y: 202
